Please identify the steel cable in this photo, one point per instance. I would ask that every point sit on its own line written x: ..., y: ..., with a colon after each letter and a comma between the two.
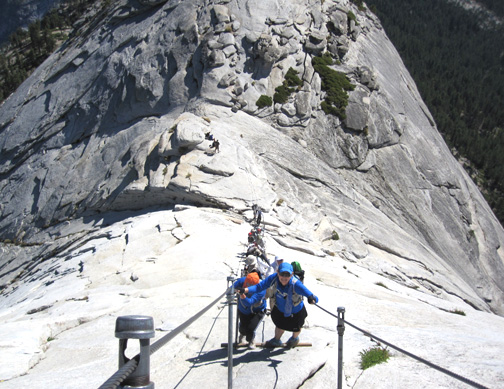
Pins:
x: 426, y: 362
x: 165, y: 339
x: 120, y: 375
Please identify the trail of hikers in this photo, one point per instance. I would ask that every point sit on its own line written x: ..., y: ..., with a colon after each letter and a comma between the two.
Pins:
x: 270, y: 288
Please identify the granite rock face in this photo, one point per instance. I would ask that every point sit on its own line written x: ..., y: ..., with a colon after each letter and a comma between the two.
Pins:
x: 114, y: 123
x: 101, y: 126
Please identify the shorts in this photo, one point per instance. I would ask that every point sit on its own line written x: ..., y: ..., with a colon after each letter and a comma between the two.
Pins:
x: 292, y: 323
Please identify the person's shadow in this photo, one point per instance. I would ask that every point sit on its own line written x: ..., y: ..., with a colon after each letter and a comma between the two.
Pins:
x: 239, y: 356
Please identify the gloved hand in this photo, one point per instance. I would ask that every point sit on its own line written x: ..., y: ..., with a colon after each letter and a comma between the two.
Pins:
x: 240, y: 291
x: 313, y: 299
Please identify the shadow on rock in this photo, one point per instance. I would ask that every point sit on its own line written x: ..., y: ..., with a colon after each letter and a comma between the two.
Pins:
x: 239, y: 356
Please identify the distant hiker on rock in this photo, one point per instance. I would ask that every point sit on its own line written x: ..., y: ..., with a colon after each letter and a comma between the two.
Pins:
x: 261, y: 260
x: 251, y: 267
x: 258, y: 217
x: 254, y: 209
x: 251, y: 309
x: 209, y: 136
x: 215, y: 145
x: 254, y: 249
x: 256, y: 235
x: 278, y: 261
x: 272, y: 269
x: 289, y: 312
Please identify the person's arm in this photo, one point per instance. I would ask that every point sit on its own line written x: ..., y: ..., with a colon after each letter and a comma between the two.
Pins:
x: 238, y: 283
x: 256, y: 297
x: 263, y: 285
x: 301, y: 289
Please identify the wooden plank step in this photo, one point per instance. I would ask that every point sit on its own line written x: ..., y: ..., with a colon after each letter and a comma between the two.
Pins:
x: 263, y: 345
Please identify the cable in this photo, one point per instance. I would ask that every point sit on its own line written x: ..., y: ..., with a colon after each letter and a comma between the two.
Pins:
x: 428, y: 363
x: 165, y: 339
x: 120, y: 375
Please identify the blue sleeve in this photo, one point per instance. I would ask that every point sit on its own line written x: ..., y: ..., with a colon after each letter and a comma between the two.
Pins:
x: 263, y: 285
x: 301, y: 289
x: 239, y: 283
x: 256, y: 297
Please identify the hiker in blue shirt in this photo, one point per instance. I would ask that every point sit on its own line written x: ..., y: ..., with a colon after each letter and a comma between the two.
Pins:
x: 289, y: 312
x: 251, y: 308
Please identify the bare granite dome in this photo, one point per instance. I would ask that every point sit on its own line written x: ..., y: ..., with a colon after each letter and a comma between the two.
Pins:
x: 109, y: 133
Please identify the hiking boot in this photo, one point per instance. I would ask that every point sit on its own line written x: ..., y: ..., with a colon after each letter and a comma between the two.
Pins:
x: 251, y: 345
x: 274, y: 343
x: 292, y: 342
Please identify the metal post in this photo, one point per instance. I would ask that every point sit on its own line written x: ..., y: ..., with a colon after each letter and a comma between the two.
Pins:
x: 142, y: 328
x: 231, y: 302
x: 341, y: 331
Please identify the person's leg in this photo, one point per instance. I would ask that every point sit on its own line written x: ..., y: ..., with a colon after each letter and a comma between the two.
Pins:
x: 298, y: 320
x: 293, y: 340
x: 278, y: 333
x: 253, y: 324
x: 243, y: 327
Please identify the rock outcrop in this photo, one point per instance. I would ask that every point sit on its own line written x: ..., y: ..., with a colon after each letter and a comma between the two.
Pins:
x: 114, y: 124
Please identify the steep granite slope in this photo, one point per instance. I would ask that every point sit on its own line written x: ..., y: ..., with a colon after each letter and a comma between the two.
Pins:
x: 95, y: 129
x: 112, y: 126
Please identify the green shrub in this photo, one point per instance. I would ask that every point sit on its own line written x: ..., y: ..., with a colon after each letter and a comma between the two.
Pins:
x: 351, y: 16
x: 335, y: 235
x: 282, y: 94
x: 292, y: 79
x: 290, y: 84
x: 373, y: 356
x: 335, y: 84
x: 458, y: 312
x: 264, y: 101
x: 324, y: 59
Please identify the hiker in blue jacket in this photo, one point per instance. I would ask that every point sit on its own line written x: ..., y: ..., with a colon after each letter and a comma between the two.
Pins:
x: 289, y: 312
x: 251, y: 308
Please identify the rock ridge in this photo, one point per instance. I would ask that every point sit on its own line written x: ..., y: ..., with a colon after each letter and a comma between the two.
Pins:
x: 108, y: 179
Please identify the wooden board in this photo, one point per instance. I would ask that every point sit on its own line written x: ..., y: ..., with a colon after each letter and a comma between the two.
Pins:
x: 263, y: 345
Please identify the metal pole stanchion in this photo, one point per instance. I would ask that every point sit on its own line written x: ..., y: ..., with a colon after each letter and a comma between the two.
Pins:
x: 341, y: 331
x: 141, y: 328
x: 231, y: 302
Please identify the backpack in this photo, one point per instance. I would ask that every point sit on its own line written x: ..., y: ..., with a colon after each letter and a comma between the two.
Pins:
x: 298, y: 271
